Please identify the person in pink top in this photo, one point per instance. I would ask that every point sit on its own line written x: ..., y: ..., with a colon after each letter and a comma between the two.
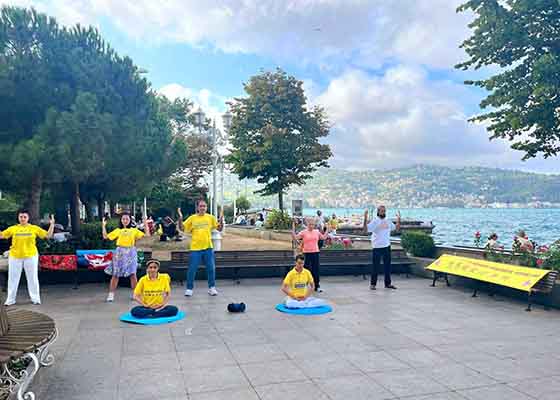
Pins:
x: 310, y: 237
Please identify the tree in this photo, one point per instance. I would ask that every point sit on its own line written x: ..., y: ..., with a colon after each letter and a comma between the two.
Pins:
x: 242, y: 204
x: 522, y: 38
x: 275, y: 136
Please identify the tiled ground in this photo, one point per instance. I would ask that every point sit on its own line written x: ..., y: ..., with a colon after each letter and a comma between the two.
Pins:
x: 414, y: 343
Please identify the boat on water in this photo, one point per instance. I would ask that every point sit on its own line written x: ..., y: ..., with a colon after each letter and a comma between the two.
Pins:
x: 407, y: 225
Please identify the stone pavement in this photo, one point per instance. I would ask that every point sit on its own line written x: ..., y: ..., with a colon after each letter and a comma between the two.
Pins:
x: 414, y: 343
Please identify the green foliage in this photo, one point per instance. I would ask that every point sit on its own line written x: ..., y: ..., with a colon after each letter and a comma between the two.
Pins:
x: 242, y: 204
x: 551, y: 259
x: 521, y: 37
x: 91, y: 237
x: 278, y: 220
x: 228, y: 213
x: 419, y: 244
x: 275, y: 137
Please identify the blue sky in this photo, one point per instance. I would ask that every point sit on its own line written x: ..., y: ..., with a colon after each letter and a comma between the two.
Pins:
x: 382, y: 69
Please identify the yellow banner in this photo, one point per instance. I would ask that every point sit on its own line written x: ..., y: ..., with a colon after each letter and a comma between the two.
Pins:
x: 522, y: 278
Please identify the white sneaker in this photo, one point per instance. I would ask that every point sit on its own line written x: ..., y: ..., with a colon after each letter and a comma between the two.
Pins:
x: 110, y: 297
x: 9, y: 304
x: 188, y: 292
x: 36, y: 303
x: 320, y: 290
x: 212, y: 291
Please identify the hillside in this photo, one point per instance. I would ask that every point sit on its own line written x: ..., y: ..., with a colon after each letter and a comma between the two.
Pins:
x: 419, y: 186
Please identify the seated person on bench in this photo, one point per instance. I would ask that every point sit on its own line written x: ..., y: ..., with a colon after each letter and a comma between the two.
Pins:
x: 298, y: 286
x: 152, y: 292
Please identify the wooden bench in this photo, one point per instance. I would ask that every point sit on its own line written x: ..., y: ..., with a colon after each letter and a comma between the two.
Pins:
x: 543, y: 282
x: 25, y: 338
x: 285, y: 259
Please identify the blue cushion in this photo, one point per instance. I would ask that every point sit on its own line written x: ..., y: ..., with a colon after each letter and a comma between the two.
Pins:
x: 151, y: 321
x: 304, y: 311
x: 81, y: 255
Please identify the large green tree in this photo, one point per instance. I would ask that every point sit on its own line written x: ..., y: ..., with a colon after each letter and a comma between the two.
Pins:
x: 275, y: 135
x: 77, y: 116
x: 522, y: 38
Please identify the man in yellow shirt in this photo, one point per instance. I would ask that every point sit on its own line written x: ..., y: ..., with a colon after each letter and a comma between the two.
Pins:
x: 200, y: 226
x: 298, y: 286
x: 152, y: 292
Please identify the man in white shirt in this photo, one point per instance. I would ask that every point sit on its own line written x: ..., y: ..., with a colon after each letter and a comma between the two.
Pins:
x: 380, y: 228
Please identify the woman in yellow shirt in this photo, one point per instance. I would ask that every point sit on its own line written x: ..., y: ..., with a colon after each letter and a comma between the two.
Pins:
x: 24, y: 255
x: 152, y: 292
x: 125, y: 260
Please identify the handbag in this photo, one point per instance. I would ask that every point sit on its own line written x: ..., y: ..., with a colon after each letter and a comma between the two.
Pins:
x: 57, y: 262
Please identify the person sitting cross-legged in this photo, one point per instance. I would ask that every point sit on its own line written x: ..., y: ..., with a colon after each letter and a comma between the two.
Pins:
x: 298, y: 286
x: 152, y: 292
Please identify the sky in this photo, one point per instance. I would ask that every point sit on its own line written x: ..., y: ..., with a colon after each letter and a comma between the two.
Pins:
x: 383, y: 70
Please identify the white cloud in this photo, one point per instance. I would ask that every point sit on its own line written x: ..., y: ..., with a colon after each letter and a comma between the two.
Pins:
x: 400, y: 119
x: 328, y: 33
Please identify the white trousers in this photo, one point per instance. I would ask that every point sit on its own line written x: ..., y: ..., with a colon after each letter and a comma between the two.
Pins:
x: 310, y: 302
x: 31, y: 267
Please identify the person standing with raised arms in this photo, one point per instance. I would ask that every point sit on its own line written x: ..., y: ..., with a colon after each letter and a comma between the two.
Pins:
x: 380, y: 228
x: 200, y: 226
x: 24, y: 255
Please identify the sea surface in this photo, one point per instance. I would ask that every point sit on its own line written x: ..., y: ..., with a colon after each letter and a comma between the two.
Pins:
x: 457, y: 226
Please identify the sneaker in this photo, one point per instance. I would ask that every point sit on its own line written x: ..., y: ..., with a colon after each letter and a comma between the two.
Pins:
x: 36, y: 303
x: 391, y: 287
x: 110, y: 297
x: 9, y: 304
x: 319, y: 290
x: 212, y: 291
x: 372, y: 287
x: 188, y: 292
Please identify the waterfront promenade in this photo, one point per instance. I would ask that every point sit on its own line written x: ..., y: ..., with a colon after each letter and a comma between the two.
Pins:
x: 414, y: 343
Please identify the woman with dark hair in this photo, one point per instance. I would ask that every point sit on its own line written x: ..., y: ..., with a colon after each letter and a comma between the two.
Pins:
x: 24, y: 255
x: 125, y: 260
x: 152, y: 292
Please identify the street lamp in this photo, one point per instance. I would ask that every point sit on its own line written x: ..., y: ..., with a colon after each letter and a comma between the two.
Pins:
x: 199, y: 119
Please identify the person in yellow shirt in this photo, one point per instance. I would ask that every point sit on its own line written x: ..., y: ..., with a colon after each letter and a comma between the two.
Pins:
x: 298, y: 286
x: 152, y: 292
x: 24, y: 256
x: 200, y: 226
x: 125, y: 259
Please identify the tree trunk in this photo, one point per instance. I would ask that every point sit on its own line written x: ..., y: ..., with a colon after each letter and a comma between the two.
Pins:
x: 33, y: 201
x: 89, y: 211
x: 100, y: 206
x: 75, y: 209
x: 281, y: 201
x: 111, y: 208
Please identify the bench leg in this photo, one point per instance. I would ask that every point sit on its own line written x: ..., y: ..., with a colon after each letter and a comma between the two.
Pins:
x: 434, y: 280
x: 475, y: 293
x: 447, y: 280
x: 547, y: 302
x: 22, y: 381
x: 528, y: 302
x: 236, y: 275
x: 76, y: 280
x: 46, y: 358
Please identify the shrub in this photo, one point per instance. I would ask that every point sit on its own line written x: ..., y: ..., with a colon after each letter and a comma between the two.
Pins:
x: 279, y: 220
x: 91, y: 238
x: 419, y: 244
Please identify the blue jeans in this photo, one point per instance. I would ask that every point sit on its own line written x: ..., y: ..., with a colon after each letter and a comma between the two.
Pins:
x: 145, y: 312
x: 196, y: 257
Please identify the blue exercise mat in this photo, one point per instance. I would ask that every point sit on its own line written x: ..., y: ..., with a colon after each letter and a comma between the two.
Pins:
x: 151, y: 321
x: 304, y: 311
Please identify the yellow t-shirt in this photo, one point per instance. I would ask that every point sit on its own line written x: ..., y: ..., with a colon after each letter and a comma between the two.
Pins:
x: 23, y: 239
x: 333, y: 223
x: 151, y: 290
x: 298, y: 281
x: 200, y: 227
x: 126, y: 237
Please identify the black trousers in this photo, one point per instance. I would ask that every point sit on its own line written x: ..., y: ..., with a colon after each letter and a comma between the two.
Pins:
x: 312, y: 263
x: 145, y: 312
x: 378, y: 254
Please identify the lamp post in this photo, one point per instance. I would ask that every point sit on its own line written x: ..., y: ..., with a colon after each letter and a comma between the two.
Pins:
x: 226, y: 118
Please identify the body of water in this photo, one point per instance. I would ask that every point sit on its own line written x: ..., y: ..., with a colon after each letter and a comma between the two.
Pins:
x: 456, y: 226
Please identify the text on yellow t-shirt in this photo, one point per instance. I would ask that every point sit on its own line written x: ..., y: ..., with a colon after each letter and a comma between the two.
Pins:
x: 298, y: 281
x: 24, y: 239
x: 151, y: 291
x: 200, y: 227
x: 126, y: 237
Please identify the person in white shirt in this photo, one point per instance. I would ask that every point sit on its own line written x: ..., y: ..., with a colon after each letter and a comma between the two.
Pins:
x: 380, y: 229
